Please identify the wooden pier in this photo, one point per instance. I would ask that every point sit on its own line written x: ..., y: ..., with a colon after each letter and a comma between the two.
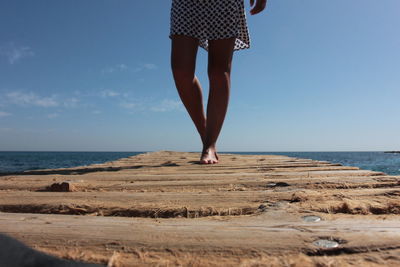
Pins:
x: 165, y: 209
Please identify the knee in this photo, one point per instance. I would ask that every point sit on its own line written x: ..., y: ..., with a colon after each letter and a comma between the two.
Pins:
x: 218, y: 74
x: 181, y: 72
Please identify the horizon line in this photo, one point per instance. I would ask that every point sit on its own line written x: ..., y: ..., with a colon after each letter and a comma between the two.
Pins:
x: 147, y: 151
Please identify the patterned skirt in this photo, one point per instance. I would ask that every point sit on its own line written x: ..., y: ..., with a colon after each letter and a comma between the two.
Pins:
x: 210, y: 20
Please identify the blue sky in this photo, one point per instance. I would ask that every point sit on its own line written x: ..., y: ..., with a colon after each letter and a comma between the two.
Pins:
x: 95, y: 75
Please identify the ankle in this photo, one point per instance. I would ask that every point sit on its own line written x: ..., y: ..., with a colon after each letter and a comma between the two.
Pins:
x: 208, y: 148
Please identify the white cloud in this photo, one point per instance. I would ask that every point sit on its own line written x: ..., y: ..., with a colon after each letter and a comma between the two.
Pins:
x: 109, y: 93
x: 167, y: 105
x: 129, y: 105
x: 146, y: 66
x: 15, y: 53
x: 52, y: 115
x: 4, y: 114
x: 162, y: 106
x: 71, y: 102
x: 124, y: 67
x: 150, y: 66
x: 118, y: 67
x: 31, y: 99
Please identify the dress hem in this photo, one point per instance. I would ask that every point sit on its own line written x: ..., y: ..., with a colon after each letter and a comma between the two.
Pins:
x: 247, y: 45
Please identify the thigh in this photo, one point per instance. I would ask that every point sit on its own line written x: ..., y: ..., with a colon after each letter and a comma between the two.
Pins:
x: 220, y: 53
x: 184, y: 52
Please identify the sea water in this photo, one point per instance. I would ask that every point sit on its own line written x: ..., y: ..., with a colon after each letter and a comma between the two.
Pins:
x: 376, y: 161
x: 21, y: 161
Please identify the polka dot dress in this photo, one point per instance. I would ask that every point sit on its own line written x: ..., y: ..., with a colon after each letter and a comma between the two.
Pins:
x: 210, y: 20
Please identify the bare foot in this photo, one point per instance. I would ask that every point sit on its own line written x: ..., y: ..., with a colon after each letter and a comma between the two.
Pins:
x: 209, y: 156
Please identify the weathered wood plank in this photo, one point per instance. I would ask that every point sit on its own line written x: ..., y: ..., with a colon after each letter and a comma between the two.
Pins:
x: 268, y: 234
x: 268, y: 194
x: 184, y: 204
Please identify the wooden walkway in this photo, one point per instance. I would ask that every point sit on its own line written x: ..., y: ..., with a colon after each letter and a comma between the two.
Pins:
x: 162, y: 208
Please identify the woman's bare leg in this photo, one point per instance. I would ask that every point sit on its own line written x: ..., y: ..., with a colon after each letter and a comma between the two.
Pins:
x: 183, y: 64
x: 220, y: 55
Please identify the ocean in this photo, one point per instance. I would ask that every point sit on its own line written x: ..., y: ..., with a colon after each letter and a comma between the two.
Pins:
x: 23, y: 161
x: 11, y: 162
